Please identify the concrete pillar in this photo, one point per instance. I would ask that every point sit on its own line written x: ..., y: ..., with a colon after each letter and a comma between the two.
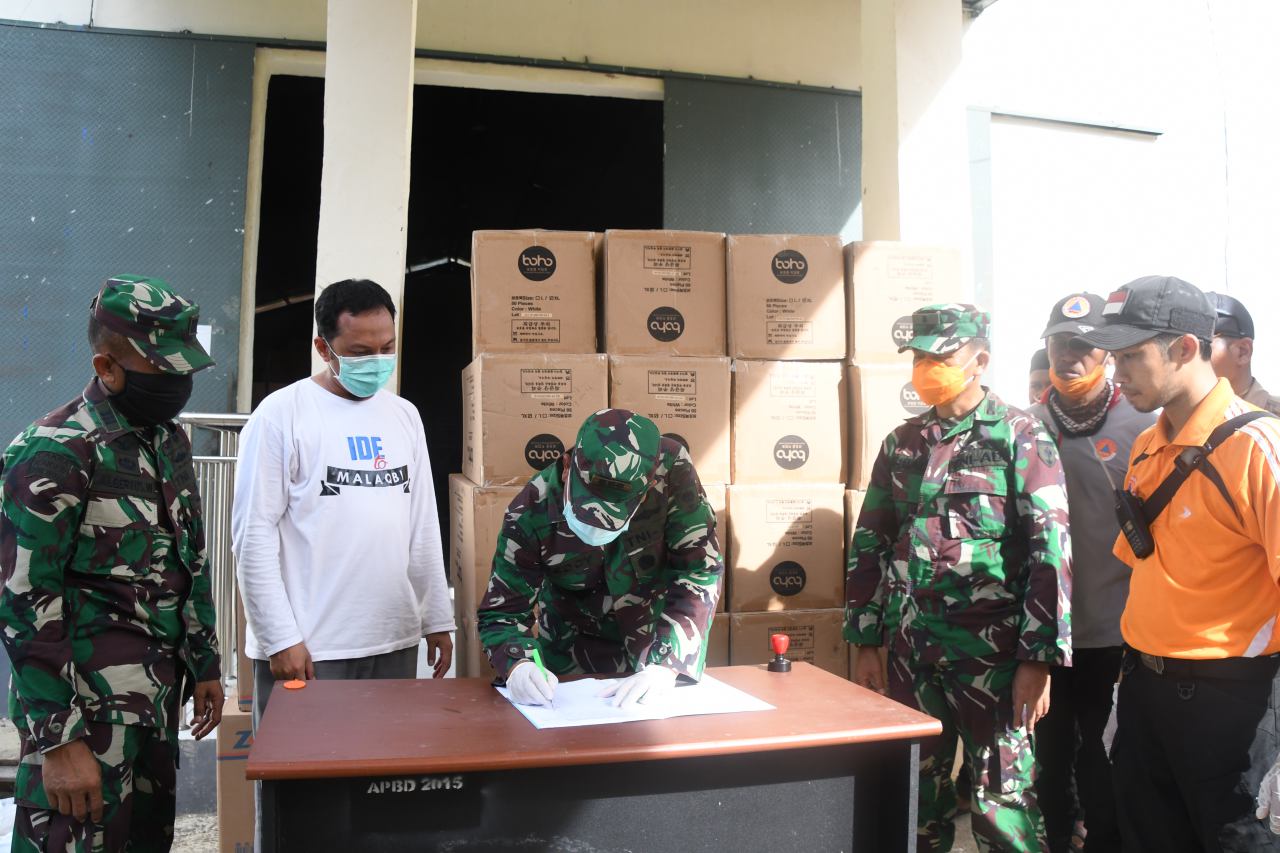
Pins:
x: 915, y: 164
x: 368, y: 129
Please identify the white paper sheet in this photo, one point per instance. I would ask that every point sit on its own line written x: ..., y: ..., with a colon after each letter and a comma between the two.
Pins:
x: 576, y: 704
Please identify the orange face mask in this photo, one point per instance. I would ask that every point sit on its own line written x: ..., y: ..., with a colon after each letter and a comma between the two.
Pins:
x: 938, y: 383
x: 1074, y: 389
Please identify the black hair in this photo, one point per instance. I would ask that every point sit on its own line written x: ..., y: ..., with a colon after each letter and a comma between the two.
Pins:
x: 350, y: 296
x: 102, y: 339
x: 1167, y: 339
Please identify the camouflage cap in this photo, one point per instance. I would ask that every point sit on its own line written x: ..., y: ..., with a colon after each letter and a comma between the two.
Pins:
x: 611, y: 466
x: 159, y: 323
x: 943, y: 329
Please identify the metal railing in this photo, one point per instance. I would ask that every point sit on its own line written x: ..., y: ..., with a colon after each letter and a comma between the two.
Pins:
x: 216, y: 479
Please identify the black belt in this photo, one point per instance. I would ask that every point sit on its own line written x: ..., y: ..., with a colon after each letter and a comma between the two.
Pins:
x: 1245, y: 669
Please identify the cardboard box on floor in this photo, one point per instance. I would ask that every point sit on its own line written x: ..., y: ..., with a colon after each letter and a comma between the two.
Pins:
x: 688, y: 398
x: 853, y: 499
x: 718, y: 641
x: 519, y: 412
x: 717, y: 496
x: 664, y: 293
x: 234, y: 791
x: 788, y: 422
x: 786, y: 297
x: 476, y: 514
x: 533, y: 291
x: 244, y: 664
x: 886, y: 282
x: 881, y: 397
x: 788, y: 547
x: 470, y: 659
x: 816, y: 638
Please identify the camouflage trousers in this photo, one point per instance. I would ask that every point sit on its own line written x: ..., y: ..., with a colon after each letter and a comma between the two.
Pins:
x: 974, y: 700
x: 139, y: 779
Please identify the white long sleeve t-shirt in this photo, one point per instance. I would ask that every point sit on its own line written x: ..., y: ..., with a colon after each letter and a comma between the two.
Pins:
x: 334, y: 526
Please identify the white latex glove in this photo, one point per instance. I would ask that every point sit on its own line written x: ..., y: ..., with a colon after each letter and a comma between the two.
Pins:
x: 649, y: 685
x: 1269, y: 798
x: 527, y: 685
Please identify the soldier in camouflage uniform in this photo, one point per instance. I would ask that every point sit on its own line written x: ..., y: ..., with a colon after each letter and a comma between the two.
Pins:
x: 960, y: 567
x: 615, y: 546
x: 106, y: 608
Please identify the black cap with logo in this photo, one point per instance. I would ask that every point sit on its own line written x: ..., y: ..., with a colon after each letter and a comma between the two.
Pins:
x: 1234, y: 320
x: 1150, y: 306
x: 1075, y: 315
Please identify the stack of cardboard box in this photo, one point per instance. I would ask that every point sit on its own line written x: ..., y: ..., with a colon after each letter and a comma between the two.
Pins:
x: 535, y: 376
x: 772, y: 358
x: 664, y: 330
x: 886, y: 282
x: 786, y: 501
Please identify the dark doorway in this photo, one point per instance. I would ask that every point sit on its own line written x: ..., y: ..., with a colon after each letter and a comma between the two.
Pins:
x: 481, y: 160
x: 497, y: 160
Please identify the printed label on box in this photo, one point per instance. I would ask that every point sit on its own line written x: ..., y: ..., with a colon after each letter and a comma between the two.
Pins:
x: 788, y: 510
x: 535, y: 331
x: 668, y: 257
x: 546, y: 380
x: 681, y: 382
x: 803, y: 641
x: 792, y: 385
x: 788, y: 332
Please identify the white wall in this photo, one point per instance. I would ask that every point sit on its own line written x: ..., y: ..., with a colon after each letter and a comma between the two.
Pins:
x: 1091, y: 209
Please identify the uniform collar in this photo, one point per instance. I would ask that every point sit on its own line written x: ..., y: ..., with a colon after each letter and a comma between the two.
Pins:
x: 110, y: 422
x: 991, y: 410
x: 1206, y: 417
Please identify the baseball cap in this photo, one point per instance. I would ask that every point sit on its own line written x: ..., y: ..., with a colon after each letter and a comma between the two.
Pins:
x: 1150, y: 306
x: 158, y: 323
x: 942, y: 329
x: 612, y: 464
x: 1075, y: 315
x: 1234, y: 320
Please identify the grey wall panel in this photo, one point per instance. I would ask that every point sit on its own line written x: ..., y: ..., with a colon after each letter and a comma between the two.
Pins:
x: 748, y: 158
x: 118, y: 154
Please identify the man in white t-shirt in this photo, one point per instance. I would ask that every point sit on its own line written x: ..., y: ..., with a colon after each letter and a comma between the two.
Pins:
x: 334, y: 523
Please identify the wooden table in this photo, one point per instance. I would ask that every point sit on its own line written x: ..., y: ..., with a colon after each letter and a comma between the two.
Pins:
x: 450, y: 764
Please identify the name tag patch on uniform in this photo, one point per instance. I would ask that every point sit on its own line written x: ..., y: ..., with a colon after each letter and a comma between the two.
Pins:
x: 978, y: 457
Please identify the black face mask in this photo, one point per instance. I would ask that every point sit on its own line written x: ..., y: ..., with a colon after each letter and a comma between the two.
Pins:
x: 149, y: 399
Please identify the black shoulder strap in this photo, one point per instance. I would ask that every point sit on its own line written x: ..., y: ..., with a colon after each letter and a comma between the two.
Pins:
x: 1198, y: 458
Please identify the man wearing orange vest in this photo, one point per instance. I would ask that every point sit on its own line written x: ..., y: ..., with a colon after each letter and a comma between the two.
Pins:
x: 1200, y: 527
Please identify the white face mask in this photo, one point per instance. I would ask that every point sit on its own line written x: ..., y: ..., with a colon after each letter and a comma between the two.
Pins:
x: 593, y: 536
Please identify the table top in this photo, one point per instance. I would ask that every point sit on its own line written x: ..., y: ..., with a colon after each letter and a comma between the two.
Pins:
x: 454, y: 725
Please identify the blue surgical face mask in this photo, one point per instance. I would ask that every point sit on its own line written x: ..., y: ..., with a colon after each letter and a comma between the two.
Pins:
x: 593, y: 536
x: 362, y: 375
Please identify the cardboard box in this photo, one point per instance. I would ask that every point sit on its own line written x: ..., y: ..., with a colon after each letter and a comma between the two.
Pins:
x: 788, y: 547
x: 853, y: 499
x: 816, y: 638
x: 718, y: 642
x: 788, y: 422
x: 519, y: 412
x: 533, y: 291
x: 688, y: 398
x: 886, y: 282
x: 881, y: 397
x: 244, y: 664
x: 664, y: 293
x: 470, y: 661
x: 235, y: 792
x: 786, y: 297
x: 476, y: 514
x: 717, y: 496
